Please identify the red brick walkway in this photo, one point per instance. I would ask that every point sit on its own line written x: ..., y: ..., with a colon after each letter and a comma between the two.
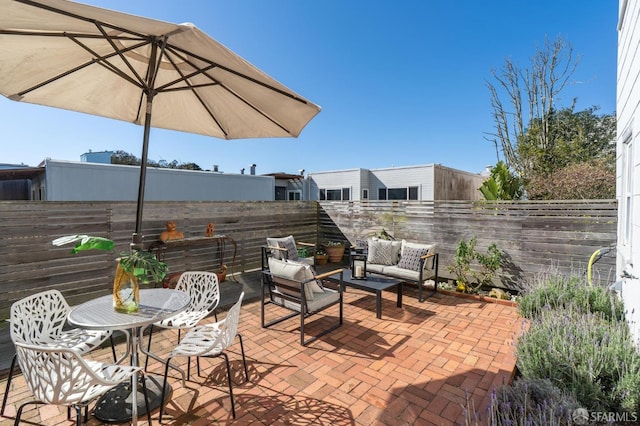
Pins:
x: 413, y: 367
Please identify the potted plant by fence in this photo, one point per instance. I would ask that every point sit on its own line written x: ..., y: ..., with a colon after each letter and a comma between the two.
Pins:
x: 335, y: 250
x: 321, y: 257
x: 131, y: 269
x: 468, y: 279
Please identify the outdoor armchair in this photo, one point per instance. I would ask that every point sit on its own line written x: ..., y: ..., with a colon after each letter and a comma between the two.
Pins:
x: 287, y: 248
x: 295, y: 287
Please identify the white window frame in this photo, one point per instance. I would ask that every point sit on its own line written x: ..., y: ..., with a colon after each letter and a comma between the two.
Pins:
x: 627, y: 189
x: 294, y: 192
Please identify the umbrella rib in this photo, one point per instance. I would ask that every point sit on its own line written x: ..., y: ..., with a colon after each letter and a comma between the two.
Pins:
x: 119, y: 52
x: 103, y: 59
x: 204, y: 72
x: 195, y: 93
x: 79, y: 17
x: 231, y: 71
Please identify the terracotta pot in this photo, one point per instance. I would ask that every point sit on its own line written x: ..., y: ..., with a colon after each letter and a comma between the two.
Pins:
x: 321, y: 259
x: 335, y: 253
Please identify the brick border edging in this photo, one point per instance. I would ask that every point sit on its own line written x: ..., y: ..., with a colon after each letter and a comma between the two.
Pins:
x: 478, y: 297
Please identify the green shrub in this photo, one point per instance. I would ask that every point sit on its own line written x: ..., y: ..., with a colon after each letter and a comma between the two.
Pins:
x: 585, y: 354
x: 555, y: 292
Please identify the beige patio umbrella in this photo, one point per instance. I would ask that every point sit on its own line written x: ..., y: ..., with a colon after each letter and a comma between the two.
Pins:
x: 157, y: 74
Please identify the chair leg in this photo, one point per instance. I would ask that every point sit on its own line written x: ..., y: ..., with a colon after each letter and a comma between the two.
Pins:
x: 146, y: 398
x: 233, y: 407
x: 164, y: 386
x: 6, y: 390
x: 19, y: 413
x: 244, y: 360
x: 146, y: 362
x: 113, y: 348
x: 78, y: 414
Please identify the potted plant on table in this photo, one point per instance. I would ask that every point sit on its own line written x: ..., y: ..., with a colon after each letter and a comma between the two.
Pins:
x: 132, y: 268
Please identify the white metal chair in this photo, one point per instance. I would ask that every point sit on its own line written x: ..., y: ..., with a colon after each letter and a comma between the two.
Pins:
x: 61, y: 376
x: 40, y: 319
x: 211, y: 340
x: 204, y: 291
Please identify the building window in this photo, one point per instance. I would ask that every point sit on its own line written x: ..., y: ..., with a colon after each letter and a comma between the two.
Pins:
x: 295, y: 195
x: 281, y: 193
x: 365, y: 194
x: 409, y: 193
x: 346, y: 194
x: 413, y: 192
x: 335, y: 194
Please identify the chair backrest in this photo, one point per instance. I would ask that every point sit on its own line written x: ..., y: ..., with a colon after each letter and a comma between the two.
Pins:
x: 230, y: 327
x: 287, y: 243
x: 61, y: 376
x: 38, y: 318
x: 203, y: 289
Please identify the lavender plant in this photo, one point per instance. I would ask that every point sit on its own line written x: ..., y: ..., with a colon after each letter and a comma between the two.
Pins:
x: 585, y: 354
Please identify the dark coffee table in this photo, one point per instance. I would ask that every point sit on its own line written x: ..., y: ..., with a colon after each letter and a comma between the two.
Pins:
x: 374, y: 283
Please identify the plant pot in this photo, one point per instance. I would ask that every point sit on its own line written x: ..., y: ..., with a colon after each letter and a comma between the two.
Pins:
x: 335, y: 253
x: 321, y: 259
x: 126, y: 291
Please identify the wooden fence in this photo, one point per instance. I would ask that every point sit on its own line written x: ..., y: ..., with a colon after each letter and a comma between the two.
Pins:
x: 30, y: 263
x: 534, y: 235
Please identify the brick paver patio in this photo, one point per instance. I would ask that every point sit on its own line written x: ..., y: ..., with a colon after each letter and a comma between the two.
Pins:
x: 415, y: 366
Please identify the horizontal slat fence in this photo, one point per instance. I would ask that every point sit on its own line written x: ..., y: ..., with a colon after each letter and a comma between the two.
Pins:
x: 534, y: 235
x: 30, y: 263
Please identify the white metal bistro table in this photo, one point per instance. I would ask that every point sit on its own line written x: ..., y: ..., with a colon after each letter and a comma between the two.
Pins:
x: 156, y: 304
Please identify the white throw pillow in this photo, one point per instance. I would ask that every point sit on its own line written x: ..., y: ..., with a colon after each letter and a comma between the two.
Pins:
x: 383, y: 252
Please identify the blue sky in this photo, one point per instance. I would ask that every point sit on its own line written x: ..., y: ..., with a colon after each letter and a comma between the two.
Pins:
x: 399, y: 82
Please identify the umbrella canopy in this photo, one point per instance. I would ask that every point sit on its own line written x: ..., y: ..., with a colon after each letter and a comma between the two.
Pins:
x: 157, y: 74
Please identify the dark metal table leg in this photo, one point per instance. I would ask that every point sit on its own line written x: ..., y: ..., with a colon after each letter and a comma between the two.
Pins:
x: 379, y: 304
x: 400, y: 295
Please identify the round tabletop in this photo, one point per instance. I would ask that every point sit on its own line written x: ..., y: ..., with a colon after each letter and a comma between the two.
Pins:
x: 156, y: 304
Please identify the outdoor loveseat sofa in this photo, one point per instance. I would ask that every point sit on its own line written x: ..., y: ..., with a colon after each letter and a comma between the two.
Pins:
x: 416, y: 263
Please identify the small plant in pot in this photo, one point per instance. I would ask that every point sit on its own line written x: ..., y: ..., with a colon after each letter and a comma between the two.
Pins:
x: 132, y: 268
x: 321, y: 257
x: 335, y: 250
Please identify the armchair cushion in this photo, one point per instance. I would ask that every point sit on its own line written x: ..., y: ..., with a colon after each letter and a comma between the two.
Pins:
x: 295, y: 272
x: 288, y: 243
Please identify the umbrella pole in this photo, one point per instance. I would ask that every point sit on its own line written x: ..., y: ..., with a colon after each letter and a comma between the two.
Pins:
x: 136, y: 243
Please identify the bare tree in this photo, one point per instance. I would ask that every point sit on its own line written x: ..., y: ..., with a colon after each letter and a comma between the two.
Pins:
x: 531, y: 94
